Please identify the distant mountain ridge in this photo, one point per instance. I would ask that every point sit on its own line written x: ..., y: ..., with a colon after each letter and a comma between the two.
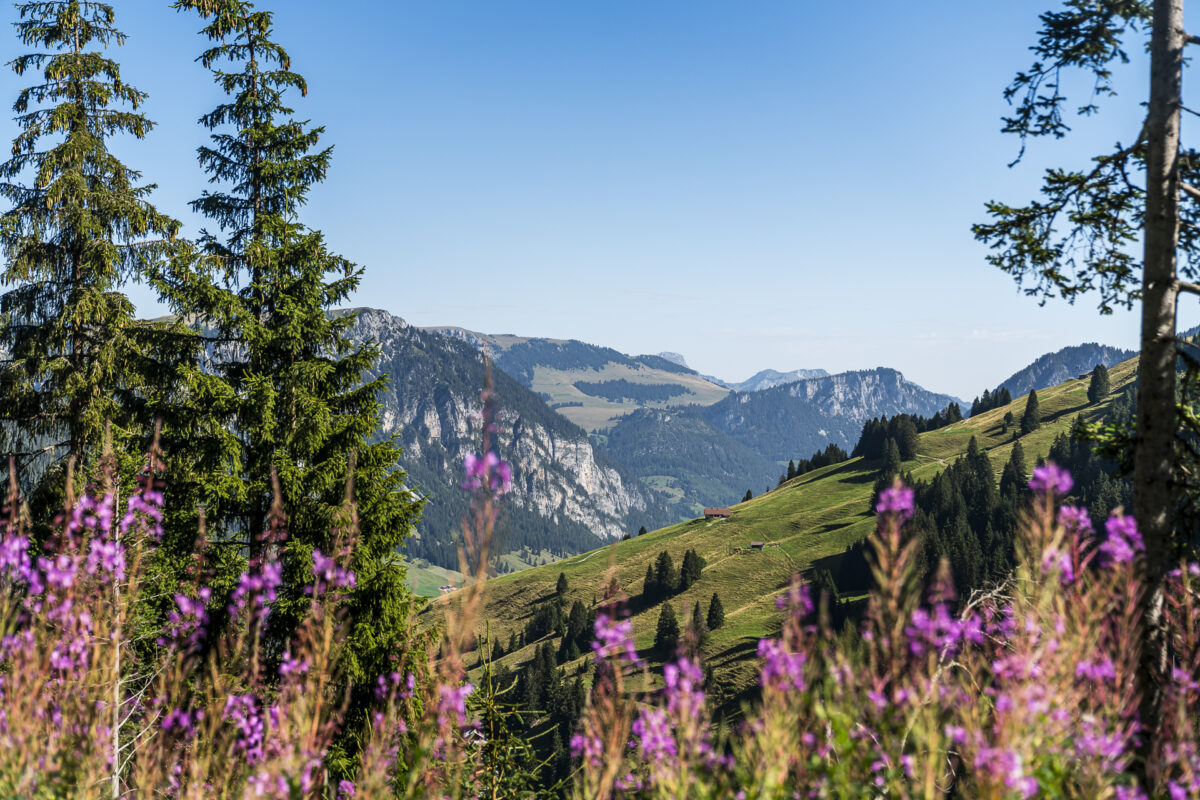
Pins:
x: 1062, y: 365
x: 567, y: 497
x: 714, y: 453
x: 770, y: 378
x: 570, y: 375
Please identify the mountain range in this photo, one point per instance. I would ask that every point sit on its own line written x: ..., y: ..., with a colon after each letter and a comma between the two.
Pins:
x: 603, y: 443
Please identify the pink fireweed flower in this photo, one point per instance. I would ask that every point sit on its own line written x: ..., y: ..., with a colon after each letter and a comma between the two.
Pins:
x: 781, y: 670
x: 488, y: 470
x: 588, y: 748
x: 655, y: 737
x: 614, y: 639
x: 1076, y: 520
x: 329, y: 574
x: 797, y: 598
x: 292, y: 665
x: 896, y: 500
x: 185, y: 624
x: 1050, y: 479
x: 257, y: 590
x: 452, y: 704
x: 107, y: 556
x: 243, y: 711
x: 183, y: 721
x: 1124, y: 541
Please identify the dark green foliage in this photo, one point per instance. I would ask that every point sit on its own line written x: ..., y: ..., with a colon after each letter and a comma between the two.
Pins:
x: 891, y: 462
x: 990, y: 400
x: 76, y: 358
x: 560, y: 586
x: 832, y: 454
x: 1031, y: 420
x: 666, y: 632
x: 791, y: 470
x: 716, y: 613
x: 748, y: 496
x: 618, y: 390
x: 642, y: 531
x: 689, y: 571
x: 1014, y: 479
x: 903, y: 429
x: 1007, y: 422
x: 709, y: 466
x: 698, y: 627
x: 1100, y: 385
x: 298, y: 397
x: 650, y: 585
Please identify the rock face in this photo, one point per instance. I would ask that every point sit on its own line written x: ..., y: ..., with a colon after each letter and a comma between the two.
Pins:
x: 1070, y: 362
x: 566, y: 496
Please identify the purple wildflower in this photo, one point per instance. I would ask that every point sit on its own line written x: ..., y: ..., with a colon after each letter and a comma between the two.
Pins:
x: 614, y: 639
x: 185, y: 722
x: 655, y: 736
x: 781, y: 670
x: 1124, y: 540
x: 243, y: 711
x: 488, y: 470
x: 256, y: 590
x: 1076, y: 520
x: 896, y: 500
x: 1050, y: 479
x: 328, y: 574
x: 186, y: 624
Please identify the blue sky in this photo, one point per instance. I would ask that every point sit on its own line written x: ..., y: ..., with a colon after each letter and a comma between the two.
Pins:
x: 753, y: 183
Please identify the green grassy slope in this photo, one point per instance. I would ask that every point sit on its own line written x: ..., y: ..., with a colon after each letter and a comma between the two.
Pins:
x: 812, y: 516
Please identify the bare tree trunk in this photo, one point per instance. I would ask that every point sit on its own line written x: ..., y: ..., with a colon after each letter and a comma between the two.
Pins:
x: 1156, y: 423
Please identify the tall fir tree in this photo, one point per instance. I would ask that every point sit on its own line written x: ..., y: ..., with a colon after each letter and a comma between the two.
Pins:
x: 1100, y: 385
x: 1031, y: 420
x: 303, y: 405
x: 78, y: 362
x: 666, y: 632
x: 716, y: 613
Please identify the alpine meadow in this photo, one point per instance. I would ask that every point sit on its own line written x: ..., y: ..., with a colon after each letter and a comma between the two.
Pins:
x: 639, y: 400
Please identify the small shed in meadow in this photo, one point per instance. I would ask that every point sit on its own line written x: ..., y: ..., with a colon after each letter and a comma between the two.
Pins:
x: 757, y: 545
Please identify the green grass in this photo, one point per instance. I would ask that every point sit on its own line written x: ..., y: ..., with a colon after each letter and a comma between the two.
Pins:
x: 815, y: 515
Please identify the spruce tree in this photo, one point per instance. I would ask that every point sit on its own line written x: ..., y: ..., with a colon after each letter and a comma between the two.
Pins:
x: 650, y: 588
x: 666, y: 578
x: 560, y: 586
x: 716, y: 613
x: 1100, y: 385
x: 303, y: 406
x: 80, y: 226
x: 698, y: 626
x: 1031, y: 420
x: 666, y: 633
x: 748, y: 496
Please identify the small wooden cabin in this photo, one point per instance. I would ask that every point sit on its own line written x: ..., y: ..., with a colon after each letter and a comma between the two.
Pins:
x: 717, y: 513
x: 757, y: 545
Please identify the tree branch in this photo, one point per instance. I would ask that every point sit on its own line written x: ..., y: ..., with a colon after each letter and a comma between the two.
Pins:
x: 1189, y: 190
x: 1185, y: 286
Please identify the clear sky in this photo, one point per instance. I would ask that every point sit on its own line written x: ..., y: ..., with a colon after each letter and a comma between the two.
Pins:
x: 751, y: 183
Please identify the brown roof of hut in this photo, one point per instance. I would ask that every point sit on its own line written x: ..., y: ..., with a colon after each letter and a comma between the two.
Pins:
x: 710, y: 513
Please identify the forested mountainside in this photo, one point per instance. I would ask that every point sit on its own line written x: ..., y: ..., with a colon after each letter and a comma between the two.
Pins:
x: 1063, y: 365
x: 714, y: 454
x: 566, y: 497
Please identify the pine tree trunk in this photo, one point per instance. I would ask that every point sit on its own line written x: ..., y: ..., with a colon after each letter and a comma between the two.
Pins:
x: 1156, y: 378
